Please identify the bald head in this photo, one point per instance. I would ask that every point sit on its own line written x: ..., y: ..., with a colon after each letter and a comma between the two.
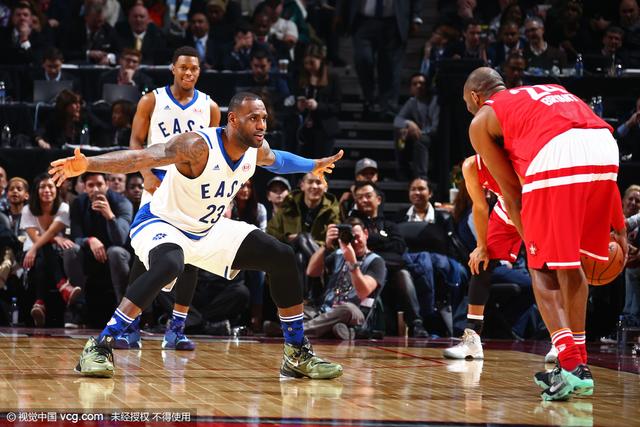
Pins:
x: 484, y: 81
x: 480, y: 85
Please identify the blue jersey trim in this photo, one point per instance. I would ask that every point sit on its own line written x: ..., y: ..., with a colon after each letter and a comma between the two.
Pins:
x: 233, y: 165
x: 159, y: 173
x: 206, y: 137
x: 175, y: 101
x: 143, y: 214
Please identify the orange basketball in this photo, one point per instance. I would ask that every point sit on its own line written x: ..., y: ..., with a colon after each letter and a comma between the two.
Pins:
x: 603, y: 272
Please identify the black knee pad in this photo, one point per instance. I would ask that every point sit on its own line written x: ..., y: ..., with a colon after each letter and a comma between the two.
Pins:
x: 166, y: 263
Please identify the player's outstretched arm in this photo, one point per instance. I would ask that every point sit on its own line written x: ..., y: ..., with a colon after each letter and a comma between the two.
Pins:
x: 184, y: 150
x: 283, y: 162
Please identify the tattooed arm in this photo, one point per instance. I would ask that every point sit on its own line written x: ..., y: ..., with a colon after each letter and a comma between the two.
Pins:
x: 188, y: 151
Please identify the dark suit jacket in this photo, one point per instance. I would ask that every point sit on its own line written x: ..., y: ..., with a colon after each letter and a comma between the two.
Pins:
x: 76, y: 44
x: 329, y: 98
x: 12, y: 53
x: 154, y: 46
x: 496, y: 52
x: 405, y: 12
x: 86, y: 222
x: 139, y: 78
x: 214, y: 52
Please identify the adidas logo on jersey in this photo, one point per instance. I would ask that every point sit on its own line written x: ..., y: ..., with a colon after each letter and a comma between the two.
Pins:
x: 216, y: 168
x: 167, y: 108
x: 159, y: 236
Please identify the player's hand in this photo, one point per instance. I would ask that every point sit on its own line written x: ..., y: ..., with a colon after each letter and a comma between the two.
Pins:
x: 478, y: 257
x: 326, y: 165
x: 69, y: 167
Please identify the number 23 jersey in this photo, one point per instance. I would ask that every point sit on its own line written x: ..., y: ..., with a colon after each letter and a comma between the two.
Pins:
x: 194, y: 205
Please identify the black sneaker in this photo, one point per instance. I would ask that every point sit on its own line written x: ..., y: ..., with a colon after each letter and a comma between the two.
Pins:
x: 222, y: 328
x: 418, y: 330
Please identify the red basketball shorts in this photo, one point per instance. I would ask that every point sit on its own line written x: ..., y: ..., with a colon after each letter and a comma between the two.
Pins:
x: 570, y: 199
x: 503, y: 240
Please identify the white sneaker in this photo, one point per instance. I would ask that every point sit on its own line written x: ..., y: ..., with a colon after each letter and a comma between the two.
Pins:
x: 552, y: 356
x: 469, y: 348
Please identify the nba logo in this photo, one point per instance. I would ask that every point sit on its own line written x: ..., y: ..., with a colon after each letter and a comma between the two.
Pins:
x: 246, y: 167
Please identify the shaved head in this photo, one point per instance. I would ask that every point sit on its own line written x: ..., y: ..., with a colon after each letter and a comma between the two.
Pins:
x: 480, y: 85
x: 485, y: 81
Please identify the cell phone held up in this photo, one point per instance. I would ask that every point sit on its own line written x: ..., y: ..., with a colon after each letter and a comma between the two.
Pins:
x: 345, y: 233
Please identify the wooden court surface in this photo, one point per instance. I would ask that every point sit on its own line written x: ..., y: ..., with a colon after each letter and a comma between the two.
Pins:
x: 234, y: 382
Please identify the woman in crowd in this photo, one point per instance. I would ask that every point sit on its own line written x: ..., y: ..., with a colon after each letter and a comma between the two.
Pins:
x: 45, y: 220
x: 69, y: 123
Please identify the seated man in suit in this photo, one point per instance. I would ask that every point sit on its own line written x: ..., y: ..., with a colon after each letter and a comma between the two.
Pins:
x: 91, y: 39
x: 139, y: 33
x: 51, y: 70
x: 20, y: 42
x: 209, y: 49
x: 128, y: 73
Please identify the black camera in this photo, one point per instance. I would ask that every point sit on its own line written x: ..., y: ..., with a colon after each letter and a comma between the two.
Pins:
x: 345, y: 233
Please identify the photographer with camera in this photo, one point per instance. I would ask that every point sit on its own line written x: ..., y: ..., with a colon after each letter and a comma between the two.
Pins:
x: 354, y: 273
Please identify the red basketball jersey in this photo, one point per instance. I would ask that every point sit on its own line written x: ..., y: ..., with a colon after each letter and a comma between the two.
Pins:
x: 530, y: 116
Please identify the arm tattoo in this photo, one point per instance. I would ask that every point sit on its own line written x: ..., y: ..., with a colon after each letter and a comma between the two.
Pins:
x: 184, y: 148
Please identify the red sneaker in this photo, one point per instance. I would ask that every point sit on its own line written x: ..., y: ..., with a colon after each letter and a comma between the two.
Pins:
x: 69, y: 292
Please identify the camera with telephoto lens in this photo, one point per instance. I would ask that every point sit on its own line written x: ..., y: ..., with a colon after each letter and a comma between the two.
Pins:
x: 345, y: 233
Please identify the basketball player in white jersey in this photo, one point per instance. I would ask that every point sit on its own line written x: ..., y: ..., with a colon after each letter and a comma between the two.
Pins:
x: 185, y: 224
x: 161, y: 114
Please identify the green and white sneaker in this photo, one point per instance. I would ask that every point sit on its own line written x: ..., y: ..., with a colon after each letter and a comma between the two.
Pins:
x: 97, y: 358
x: 301, y: 361
x: 579, y: 382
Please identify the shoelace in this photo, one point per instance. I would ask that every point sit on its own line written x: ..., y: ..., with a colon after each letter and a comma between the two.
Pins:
x: 103, y: 351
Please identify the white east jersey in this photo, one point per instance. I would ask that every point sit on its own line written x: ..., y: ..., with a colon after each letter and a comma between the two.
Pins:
x: 194, y: 205
x: 170, y: 118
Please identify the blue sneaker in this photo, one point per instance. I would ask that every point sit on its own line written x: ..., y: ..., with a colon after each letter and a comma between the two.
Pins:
x: 130, y: 338
x: 174, y: 338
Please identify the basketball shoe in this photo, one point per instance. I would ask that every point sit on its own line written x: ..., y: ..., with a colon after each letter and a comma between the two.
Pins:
x: 97, y: 358
x: 564, y: 383
x: 175, y: 339
x: 130, y: 339
x: 301, y: 361
x: 469, y: 348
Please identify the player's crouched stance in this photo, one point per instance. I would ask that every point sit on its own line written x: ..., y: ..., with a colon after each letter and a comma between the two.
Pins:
x: 206, y: 169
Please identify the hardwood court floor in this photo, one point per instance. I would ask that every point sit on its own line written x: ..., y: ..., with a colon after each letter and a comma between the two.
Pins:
x: 235, y: 382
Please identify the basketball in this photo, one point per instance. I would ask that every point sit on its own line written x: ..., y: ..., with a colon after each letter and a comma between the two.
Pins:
x: 603, y: 272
